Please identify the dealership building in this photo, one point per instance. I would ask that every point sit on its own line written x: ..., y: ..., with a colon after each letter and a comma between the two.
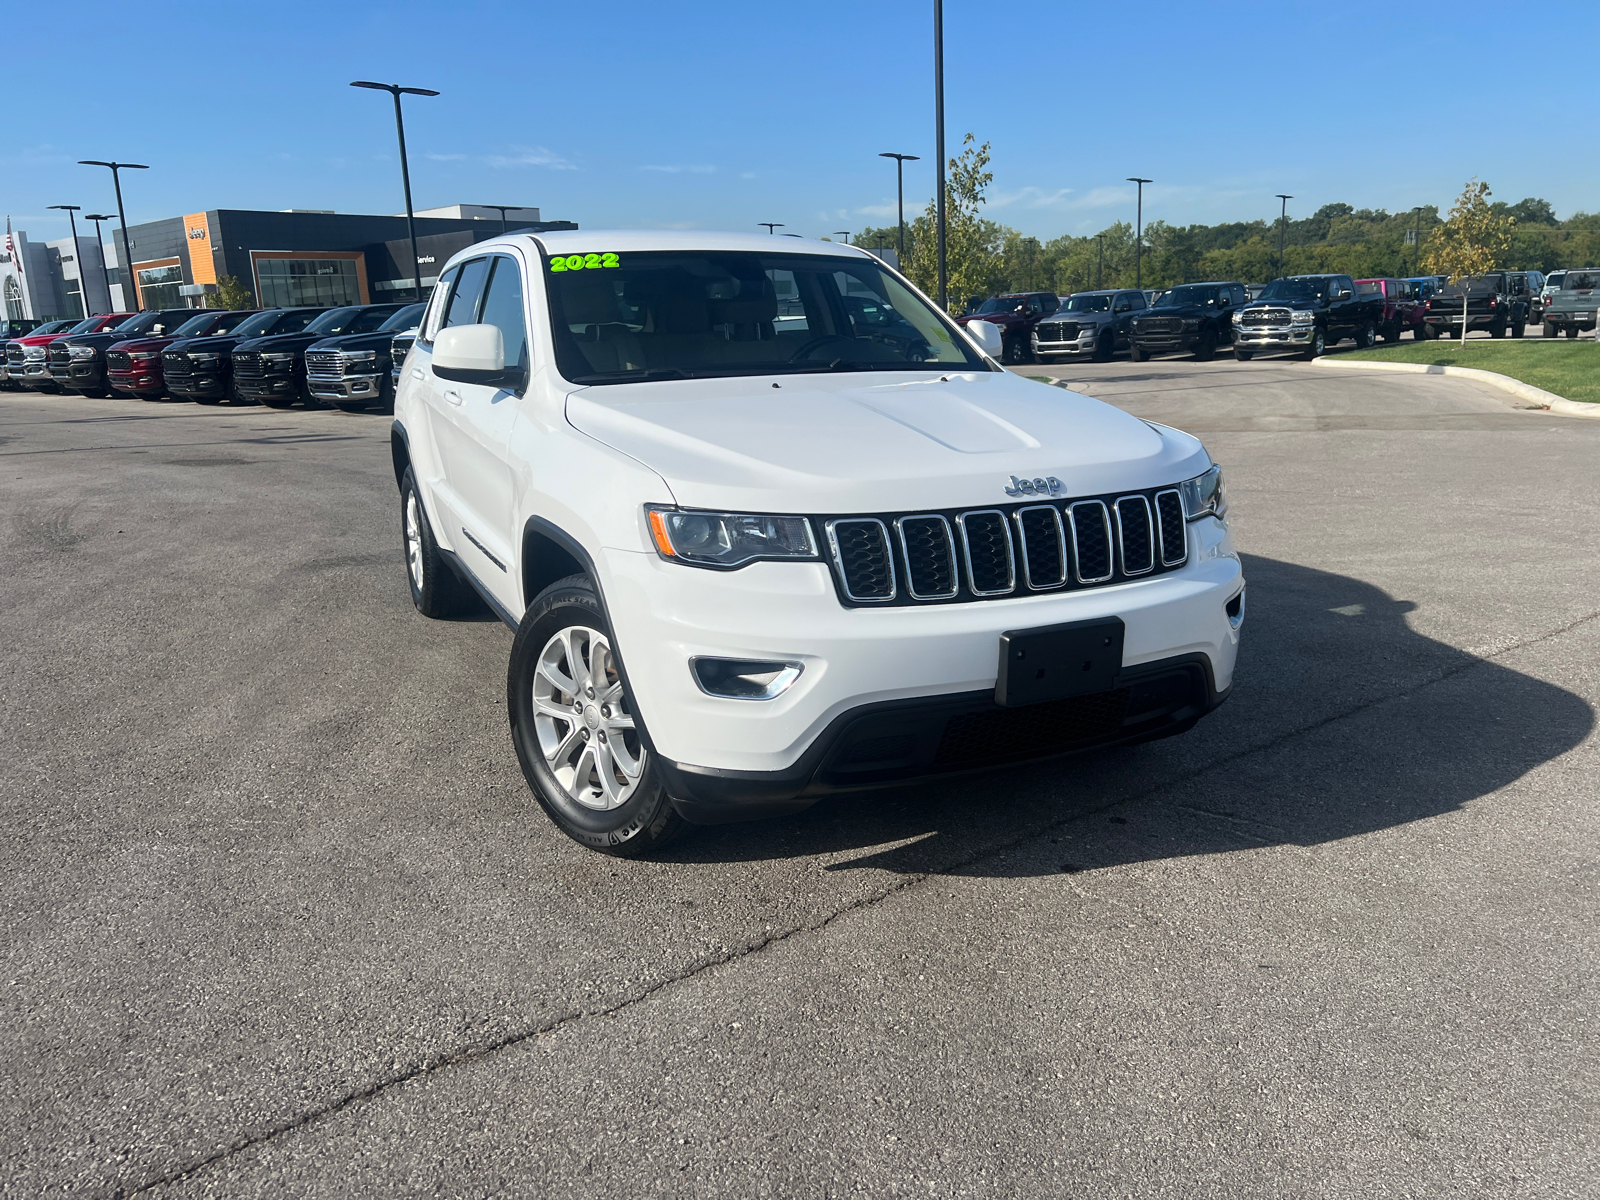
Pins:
x: 284, y: 258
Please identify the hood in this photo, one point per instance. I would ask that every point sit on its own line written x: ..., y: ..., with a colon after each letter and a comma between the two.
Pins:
x: 356, y: 341
x: 1179, y: 310
x: 878, y: 443
x: 1291, y: 305
x: 220, y: 344
x: 1081, y: 318
x: 98, y: 340
x: 142, y: 343
x: 279, y: 342
x: 38, y: 339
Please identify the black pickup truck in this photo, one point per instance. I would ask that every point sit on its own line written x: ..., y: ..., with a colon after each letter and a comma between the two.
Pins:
x: 1308, y: 313
x: 354, y: 371
x: 272, y: 370
x: 1497, y: 301
x: 1191, y: 318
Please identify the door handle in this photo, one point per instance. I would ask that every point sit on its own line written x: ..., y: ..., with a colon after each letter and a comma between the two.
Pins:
x: 453, y: 396
x: 416, y: 372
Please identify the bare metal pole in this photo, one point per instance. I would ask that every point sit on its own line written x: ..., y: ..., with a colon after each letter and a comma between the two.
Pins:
x: 77, y: 254
x: 100, y: 249
x: 1283, y: 224
x: 395, y: 90
x: 1138, y: 235
x: 938, y: 107
x: 900, y: 161
x: 129, y: 287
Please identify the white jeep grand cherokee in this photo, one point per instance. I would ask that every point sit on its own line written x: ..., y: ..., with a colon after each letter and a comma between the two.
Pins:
x: 768, y: 526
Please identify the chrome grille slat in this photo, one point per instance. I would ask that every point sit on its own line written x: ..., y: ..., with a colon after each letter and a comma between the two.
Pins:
x: 1091, y: 541
x: 1172, y: 527
x: 324, y: 366
x: 1136, y: 535
x: 986, y: 545
x: 860, y: 548
x: 1044, y: 551
x: 928, y: 549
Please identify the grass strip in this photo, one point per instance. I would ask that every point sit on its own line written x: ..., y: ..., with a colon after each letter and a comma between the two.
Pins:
x: 1567, y: 368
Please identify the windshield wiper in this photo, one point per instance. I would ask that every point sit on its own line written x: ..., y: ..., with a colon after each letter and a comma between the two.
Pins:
x: 636, y: 376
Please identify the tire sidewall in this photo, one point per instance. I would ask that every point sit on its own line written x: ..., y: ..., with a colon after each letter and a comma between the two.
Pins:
x: 649, y: 811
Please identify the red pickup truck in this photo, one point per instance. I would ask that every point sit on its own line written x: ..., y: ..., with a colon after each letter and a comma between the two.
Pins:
x: 26, y: 356
x: 1402, y: 307
x: 1016, y: 313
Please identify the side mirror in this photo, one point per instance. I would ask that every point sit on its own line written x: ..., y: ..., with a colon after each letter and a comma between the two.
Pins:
x: 988, y: 337
x: 472, y: 354
x: 157, y: 330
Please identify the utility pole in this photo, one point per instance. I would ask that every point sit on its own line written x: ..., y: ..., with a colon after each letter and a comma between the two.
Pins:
x: 77, y: 252
x: 900, y: 161
x: 772, y: 226
x: 1283, y: 224
x: 395, y: 90
x: 1418, y: 268
x: 130, y: 289
x: 938, y: 145
x: 1100, y: 271
x: 1138, y: 234
x: 100, y: 249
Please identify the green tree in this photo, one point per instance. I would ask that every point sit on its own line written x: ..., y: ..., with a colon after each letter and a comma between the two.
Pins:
x: 231, y: 294
x: 1473, y: 240
x: 973, y: 244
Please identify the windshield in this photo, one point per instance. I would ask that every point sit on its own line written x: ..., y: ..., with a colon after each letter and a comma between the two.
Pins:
x: 349, y: 320
x: 1190, y: 294
x: 1087, y: 304
x: 143, y: 322
x: 406, y: 318
x: 258, y: 324
x: 1554, y: 279
x: 1370, y: 288
x: 1303, y: 288
x: 1580, y: 281
x: 684, y: 314
x: 999, y: 304
x: 66, y: 326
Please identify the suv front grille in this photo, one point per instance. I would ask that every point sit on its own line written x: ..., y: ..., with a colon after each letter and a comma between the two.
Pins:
x: 247, y: 368
x: 14, y: 356
x: 1264, y: 316
x: 324, y: 366
x: 1167, y: 325
x: 990, y: 553
x: 176, y: 368
x: 118, y: 360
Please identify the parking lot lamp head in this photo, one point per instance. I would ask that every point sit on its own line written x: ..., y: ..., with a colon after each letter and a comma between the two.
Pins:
x: 844, y: 233
x: 900, y: 161
x: 1138, y: 233
x: 99, y: 245
x: 504, y: 209
x: 395, y: 90
x: 130, y: 290
x: 772, y: 226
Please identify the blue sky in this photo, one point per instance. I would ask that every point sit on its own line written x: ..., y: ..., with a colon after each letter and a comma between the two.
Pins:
x: 720, y: 115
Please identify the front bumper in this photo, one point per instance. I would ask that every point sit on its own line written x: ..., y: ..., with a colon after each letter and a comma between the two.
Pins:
x: 79, y: 375
x: 1085, y: 345
x: 1167, y: 343
x: 138, y: 382
x: 265, y: 387
x: 347, y: 387
x: 1262, y: 337
x: 738, y: 758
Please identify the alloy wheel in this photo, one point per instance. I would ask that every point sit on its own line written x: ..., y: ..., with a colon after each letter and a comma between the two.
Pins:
x: 414, y: 539
x: 583, y: 720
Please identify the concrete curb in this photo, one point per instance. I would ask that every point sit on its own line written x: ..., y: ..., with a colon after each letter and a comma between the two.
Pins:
x: 1523, y: 391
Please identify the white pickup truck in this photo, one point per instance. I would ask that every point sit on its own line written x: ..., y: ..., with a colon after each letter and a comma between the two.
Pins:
x: 749, y: 562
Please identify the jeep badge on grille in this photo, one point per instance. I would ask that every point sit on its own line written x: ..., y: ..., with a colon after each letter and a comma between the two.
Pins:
x: 1049, y: 486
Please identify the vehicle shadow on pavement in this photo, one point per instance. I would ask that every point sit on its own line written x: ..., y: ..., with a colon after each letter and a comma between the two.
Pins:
x: 1343, y: 721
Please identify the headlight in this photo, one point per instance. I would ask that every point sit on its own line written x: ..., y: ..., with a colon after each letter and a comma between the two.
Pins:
x: 712, y: 539
x: 1204, y: 495
x: 203, y: 356
x: 1191, y: 322
x: 144, y: 355
x: 33, y: 353
x: 277, y: 358
x: 1238, y: 318
x: 80, y: 351
x: 358, y: 356
x: 1301, y: 317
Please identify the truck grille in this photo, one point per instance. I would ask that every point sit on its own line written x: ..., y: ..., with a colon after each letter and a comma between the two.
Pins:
x: 989, y: 553
x: 324, y: 366
x: 1264, y: 316
x: 1158, y: 325
x: 1057, y: 331
x: 14, y: 357
x: 58, y: 356
x: 398, y: 349
x: 247, y: 368
x: 118, y: 360
x: 177, y: 369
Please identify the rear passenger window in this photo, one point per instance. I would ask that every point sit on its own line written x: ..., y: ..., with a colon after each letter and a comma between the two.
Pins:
x: 462, y: 308
x: 502, y: 307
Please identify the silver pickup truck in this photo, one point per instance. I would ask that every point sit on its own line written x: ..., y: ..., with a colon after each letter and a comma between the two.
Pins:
x: 1572, y: 308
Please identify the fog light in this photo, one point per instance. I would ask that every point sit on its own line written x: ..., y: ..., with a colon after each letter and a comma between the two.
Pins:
x: 743, y: 678
x: 1235, y: 610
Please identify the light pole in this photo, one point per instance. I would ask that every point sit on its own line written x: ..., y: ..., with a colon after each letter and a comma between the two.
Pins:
x: 1283, y: 223
x: 1100, y: 271
x: 395, y: 90
x: 130, y: 289
x: 900, y: 161
x: 938, y: 144
x: 772, y: 226
x: 77, y: 252
x: 100, y: 249
x: 1138, y: 233
x: 505, y: 208
x: 1418, y: 268
x: 844, y: 233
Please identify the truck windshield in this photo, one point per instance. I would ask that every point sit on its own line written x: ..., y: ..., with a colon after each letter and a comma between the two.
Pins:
x: 1370, y: 287
x: 258, y: 324
x: 1304, y: 288
x: 1190, y: 294
x: 620, y: 318
x: 1580, y: 281
x: 407, y: 318
x: 1087, y: 304
x: 349, y: 320
x: 999, y: 304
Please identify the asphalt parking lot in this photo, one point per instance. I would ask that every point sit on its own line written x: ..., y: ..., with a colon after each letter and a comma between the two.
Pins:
x: 282, y: 918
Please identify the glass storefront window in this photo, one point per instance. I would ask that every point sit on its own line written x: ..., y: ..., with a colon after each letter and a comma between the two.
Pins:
x: 74, y: 299
x: 293, y: 282
x: 158, y: 287
x: 13, y: 299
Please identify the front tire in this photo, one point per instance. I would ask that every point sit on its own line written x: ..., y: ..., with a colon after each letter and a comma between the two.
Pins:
x: 1104, y: 348
x: 1318, y: 346
x: 1206, y: 349
x: 1368, y: 337
x: 576, y: 730
x: 436, y: 590
x: 1518, y: 329
x: 1243, y: 355
x: 1136, y: 354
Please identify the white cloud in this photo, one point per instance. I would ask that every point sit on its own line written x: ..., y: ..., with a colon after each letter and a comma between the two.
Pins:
x: 877, y: 210
x: 1032, y: 197
x: 531, y: 156
x: 678, y: 169
x: 747, y: 174
x: 448, y: 157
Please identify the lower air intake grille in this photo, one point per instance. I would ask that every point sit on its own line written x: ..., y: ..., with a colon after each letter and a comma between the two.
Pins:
x: 1032, y: 730
x: 861, y: 553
